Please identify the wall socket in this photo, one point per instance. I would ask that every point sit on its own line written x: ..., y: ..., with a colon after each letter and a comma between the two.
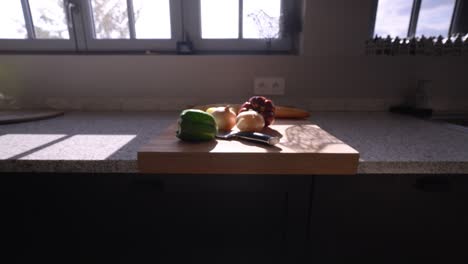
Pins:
x: 269, y: 86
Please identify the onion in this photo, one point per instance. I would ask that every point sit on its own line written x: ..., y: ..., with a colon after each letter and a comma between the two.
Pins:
x: 250, y: 121
x: 224, y: 116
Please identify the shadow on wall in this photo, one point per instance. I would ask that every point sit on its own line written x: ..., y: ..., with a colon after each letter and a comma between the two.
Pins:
x: 10, y: 89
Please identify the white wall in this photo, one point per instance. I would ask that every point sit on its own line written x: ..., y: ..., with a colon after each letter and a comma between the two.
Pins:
x: 330, y: 74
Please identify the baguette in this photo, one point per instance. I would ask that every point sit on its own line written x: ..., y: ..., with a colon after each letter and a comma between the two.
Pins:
x: 282, y: 112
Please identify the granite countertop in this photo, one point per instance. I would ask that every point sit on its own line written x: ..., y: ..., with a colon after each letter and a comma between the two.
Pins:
x: 107, y: 142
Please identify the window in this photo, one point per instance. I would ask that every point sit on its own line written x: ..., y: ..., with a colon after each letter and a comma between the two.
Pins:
x: 138, y: 19
x: 110, y: 19
x: 49, y: 19
x: 393, y: 17
x: 142, y: 25
x: 261, y: 19
x: 11, y: 14
x: 34, y: 24
x: 409, y: 18
x: 435, y: 17
x: 149, y: 13
x: 245, y: 25
x: 219, y: 19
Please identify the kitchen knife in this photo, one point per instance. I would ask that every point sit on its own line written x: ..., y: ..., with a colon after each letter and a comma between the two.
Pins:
x: 251, y: 136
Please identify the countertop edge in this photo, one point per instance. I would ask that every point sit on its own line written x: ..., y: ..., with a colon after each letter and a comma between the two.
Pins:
x: 130, y: 166
x: 69, y: 166
x: 413, y: 167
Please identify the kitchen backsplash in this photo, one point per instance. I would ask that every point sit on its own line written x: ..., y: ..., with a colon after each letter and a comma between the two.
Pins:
x: 176, y: 104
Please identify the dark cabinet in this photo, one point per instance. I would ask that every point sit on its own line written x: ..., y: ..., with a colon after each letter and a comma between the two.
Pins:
x: 389, y: 219
x: 180, y: 224
x: 77, y: 218
x: 67, y: 218
x: 117, y: 218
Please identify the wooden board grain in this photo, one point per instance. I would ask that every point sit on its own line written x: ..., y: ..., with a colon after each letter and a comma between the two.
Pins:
x: 304, y: 149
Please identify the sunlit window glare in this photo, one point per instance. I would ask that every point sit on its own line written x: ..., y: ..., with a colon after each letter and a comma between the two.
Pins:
x: 393, y: 18
x: 49, y: 19
x: 261, y: 19
x: 435, y: 17
x: 152, y: 19
x: 220, y: 19
x: 110, y: 19
x: 12, y: 25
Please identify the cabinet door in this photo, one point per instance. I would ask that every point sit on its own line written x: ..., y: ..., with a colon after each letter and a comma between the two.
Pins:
x: 95, y: 209
x: 67, y: 218
x: 76, y: 218
x: 455, y: 221
x: 427, y: 216
x: 177, y: 225
x: 383, y: 219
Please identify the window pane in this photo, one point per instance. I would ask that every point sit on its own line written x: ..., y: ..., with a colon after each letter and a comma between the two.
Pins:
x: 152, y: 19
x: 435, y: 17
x: 12, y: 24
x: 261, y: 18
x: 49, y: 19
x: 220, y: 19
x: 393, y: 17
x: 110, y: 19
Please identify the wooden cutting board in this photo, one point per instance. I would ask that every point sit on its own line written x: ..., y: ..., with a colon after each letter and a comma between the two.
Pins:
x: 304, y: 149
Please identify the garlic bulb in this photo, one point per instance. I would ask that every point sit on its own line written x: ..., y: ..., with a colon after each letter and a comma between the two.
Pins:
x: 250, y: 121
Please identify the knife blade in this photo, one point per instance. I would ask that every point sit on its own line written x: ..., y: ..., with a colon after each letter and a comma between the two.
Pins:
x: 251, y: 136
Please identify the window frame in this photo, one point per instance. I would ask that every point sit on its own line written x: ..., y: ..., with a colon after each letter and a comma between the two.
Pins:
x: 459, y: 23
x: 193, y: 24
x: 31, y: 43
x: 185, y: 17
x: 131, y: 44
x: 414, y: 19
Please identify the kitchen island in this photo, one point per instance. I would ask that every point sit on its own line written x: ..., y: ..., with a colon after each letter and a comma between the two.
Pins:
x: 109, y: 142
x: 74, y: 194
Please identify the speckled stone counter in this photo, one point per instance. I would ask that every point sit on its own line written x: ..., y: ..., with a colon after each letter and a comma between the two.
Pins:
x: 100, y: 142
x: 103, y: 142
x: 396, y: 144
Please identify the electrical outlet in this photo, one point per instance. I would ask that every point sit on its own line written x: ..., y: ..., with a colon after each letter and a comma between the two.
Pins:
x: 269, y: 86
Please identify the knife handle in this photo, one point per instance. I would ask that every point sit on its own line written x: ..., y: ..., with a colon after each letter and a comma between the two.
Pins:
x: 258, y: 137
